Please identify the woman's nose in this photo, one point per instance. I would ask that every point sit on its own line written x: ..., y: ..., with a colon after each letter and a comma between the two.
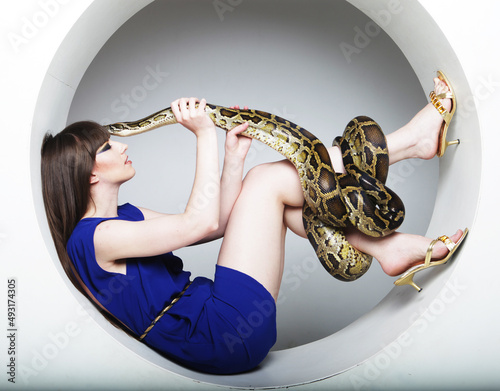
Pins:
x: 123, y: 147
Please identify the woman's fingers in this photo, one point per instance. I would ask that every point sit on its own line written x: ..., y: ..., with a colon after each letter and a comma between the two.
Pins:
x: 237, y: 107
x: 185, y: 108
x: 175, y: 109
x: 240, y: 128
x: 202, y: 105
x: 192, y: 107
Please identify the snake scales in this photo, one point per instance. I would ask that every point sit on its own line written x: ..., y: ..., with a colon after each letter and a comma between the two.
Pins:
x: 333, y: 201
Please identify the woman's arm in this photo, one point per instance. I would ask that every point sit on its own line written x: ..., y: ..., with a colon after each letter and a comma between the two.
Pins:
x: 204, y: 202
x: 236, y: 149
x: 161, y: 233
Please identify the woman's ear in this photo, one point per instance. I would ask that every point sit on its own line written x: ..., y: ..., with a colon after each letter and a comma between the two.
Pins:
x: 94, y: 179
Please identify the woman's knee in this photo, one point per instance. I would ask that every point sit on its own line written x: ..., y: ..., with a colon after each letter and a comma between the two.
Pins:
x: 269, y: 173
x: 279, y: 178
x: 260, y: 175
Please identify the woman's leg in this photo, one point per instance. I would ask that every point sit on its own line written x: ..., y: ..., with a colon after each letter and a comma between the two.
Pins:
x: 418, y: 139
x: 271, y: 201
x: 255, y: 235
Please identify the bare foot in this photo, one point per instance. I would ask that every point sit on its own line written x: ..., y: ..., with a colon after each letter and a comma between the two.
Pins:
x: 427, y: 124
x: 398, y: 252
x: 419, y: 138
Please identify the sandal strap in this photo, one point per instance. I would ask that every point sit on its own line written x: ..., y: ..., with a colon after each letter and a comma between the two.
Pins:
x: 444, y: 95
x: 447, y: 242
x: 437, y: 104
x: 428, y: 254
x: 439, y: 107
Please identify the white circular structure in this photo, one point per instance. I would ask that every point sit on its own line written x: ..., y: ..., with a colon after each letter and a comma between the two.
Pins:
x: 434, y: 338
x: 138, y: 71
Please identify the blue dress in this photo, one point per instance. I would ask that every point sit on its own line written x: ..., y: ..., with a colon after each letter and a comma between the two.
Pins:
x: 223, y: 326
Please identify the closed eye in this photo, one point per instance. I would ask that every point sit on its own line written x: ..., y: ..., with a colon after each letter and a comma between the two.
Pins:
x: 105, y: 147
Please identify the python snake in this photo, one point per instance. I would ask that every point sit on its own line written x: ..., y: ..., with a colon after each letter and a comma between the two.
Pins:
x: 357, y: 198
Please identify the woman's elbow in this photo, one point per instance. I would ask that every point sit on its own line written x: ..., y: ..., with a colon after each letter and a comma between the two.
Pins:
x: 212, y: 226
x: 207, y: 227
x: 202, y: 226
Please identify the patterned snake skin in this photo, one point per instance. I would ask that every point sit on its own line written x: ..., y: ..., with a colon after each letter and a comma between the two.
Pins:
x: 333, y: 201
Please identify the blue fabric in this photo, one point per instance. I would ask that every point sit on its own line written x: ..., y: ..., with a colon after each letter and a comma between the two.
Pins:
x: 226, y: 326
x: 223, y: 326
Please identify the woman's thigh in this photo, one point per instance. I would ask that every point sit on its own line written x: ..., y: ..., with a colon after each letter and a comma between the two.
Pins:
x: 254, y: 238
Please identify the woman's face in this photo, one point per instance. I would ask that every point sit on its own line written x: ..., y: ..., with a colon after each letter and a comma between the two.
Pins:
x: 112, y: 165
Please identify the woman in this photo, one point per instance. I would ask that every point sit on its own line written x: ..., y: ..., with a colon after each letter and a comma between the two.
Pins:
x: 121, y: 256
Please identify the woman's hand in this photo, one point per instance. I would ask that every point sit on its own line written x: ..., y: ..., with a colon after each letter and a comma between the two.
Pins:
x: 191, y: 117
x: 237, y: 145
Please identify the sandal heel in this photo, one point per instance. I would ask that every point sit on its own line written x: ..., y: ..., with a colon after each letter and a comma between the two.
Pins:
x: 408, y: 280
x: 448, y: 143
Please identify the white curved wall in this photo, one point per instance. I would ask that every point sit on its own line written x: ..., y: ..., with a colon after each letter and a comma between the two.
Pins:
x: 435, y: 339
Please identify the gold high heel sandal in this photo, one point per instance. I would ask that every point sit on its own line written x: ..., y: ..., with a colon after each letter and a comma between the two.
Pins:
x: 407, y: 277
x: 447, y: 115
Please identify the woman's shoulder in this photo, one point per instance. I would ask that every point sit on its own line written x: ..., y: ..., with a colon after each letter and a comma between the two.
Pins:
x: 86, y: 227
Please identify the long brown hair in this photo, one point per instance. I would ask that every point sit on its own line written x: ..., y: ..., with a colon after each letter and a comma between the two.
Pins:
x: 67, y: 162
